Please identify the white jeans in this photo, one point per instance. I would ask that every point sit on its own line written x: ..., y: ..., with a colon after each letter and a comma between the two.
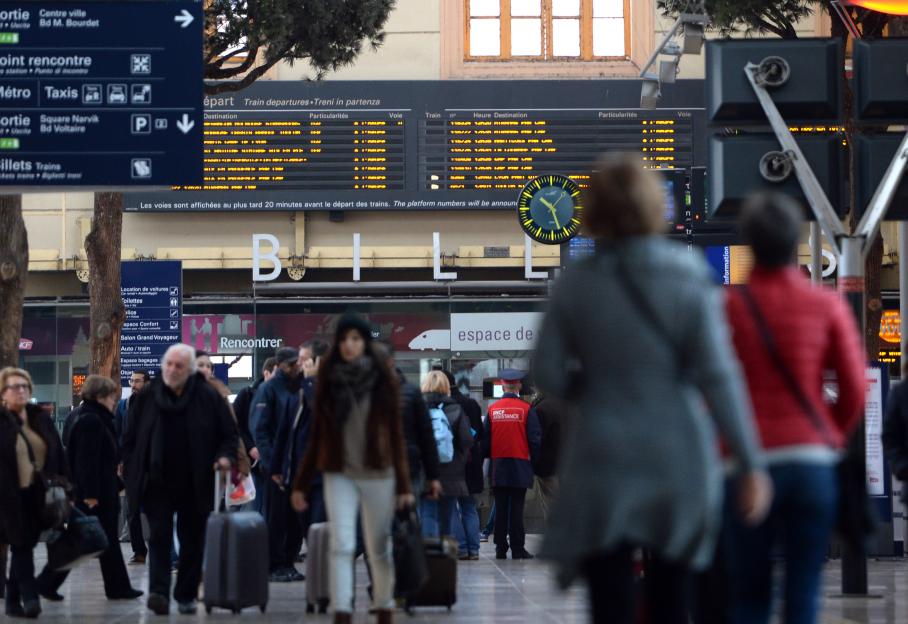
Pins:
x: 343, y: 497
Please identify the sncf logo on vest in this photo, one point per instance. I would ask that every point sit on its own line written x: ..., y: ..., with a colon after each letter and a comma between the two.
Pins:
x: 506, y: 414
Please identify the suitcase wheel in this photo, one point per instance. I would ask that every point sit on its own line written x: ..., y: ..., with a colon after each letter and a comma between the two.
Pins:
x: 208, y: 608
x: 310, y: 608
x: 236, y: 611
x: 263, y: 608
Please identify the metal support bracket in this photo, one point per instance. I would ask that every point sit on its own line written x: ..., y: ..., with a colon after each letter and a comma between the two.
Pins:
x: 436, y: 260
x: 528, y: 271
x: 357, y: 257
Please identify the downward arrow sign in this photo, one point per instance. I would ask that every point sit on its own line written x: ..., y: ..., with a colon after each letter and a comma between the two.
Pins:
x: 184, y: 18
x: 185, y: 124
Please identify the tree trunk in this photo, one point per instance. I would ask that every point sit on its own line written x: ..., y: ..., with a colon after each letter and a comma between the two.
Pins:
x: 13, y: 275
x: 103, y: 247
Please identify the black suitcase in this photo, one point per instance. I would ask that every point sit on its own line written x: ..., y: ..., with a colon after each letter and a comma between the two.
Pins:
x: 440, y: 590
x: 236, y: 559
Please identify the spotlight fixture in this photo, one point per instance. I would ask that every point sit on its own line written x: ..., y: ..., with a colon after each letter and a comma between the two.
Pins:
x: 650, y: 93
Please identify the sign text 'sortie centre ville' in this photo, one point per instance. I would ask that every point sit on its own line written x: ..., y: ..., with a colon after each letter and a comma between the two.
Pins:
x: 100, y: 93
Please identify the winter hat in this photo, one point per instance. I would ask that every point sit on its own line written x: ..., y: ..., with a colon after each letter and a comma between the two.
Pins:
x: 353, y: 321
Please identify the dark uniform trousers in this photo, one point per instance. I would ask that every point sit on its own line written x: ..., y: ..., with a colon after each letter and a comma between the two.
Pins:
x: 509, y: 505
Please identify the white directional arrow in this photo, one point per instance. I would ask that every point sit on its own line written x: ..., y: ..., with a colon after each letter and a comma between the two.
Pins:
x: 185, y: 124
x: 184, y: 18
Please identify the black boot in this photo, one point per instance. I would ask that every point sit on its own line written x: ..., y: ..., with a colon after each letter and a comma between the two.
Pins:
x: 13, y: 601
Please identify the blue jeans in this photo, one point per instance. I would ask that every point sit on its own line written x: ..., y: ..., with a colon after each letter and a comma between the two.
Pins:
x: 801, y: 522
x: 436, y: 516
x: 465, y: 525
x: 490, y: 525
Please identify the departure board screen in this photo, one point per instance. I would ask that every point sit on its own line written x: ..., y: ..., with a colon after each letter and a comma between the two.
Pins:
x: 423, y: 145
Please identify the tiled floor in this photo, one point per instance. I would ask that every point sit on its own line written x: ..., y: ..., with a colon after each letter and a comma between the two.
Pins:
x: 488, y: 591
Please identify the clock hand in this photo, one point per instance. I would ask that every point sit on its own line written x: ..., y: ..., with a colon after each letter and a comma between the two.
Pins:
x: 562, y: 196
x: 555, y: 216
x: 548, y: 204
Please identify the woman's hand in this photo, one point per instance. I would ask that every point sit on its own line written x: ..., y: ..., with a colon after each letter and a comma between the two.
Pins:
x: 755, y: 493
x: 298, y: 502
x: 91, y: 503
x: 405, y: 501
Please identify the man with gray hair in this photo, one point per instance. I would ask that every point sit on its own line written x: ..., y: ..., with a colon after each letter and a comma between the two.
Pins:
x: 179, y: 430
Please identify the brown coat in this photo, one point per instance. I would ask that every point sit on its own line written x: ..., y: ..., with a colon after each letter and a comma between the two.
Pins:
x: 243, y: 464
x: 385, y: 448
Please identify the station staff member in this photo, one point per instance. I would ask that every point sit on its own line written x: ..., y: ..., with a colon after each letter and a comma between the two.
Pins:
x: 512, y: 440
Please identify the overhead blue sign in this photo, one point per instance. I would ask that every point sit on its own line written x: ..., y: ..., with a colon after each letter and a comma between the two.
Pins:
x: 101, y: 93
x: 152, y: 292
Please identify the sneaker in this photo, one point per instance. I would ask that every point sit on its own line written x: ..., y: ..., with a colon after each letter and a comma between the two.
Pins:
x: 159, y: 604
x: 137, y: 560
x: 190, y: 607
x: 473, y: 557
x: 484, y: 538
x: 501, y: 554
x: 463, y: 556
x: 522, y: 555
x: 294, y: 574
x: 280, y: 576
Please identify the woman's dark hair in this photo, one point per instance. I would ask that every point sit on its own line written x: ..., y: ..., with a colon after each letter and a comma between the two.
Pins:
x: 771, y: 224
x: 385, y: 395
x: 624, y: 199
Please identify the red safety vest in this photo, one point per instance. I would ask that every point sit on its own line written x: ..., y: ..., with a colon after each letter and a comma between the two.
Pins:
x: 508, y: 418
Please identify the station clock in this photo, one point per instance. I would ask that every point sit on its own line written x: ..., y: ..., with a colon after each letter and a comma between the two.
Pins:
x: 549, y: 209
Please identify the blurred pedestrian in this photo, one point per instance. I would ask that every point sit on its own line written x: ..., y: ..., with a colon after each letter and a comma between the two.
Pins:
x: 93, y: 456
x: 511, y: 441
x: 635, y: 340
x: 358, y: 444
x: 312, y: 353
x: 273, y: 404
x: 243, y: 465
x: 437, y: 393
x: 466, y: 513
x: 138, y: 381
x: 895, y: 431
x: 180, y: 428
x: 551, y: 413
x: 787, y: 333
x: 242, y: 406
x: 29, y: 448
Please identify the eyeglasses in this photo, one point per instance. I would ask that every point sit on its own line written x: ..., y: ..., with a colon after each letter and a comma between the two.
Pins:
x: 18, y: 387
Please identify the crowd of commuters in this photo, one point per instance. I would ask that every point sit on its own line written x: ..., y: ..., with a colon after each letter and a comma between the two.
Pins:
x: 673, y: 423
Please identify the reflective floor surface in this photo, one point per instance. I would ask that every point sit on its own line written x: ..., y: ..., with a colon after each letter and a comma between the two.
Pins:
x: 488, y: 591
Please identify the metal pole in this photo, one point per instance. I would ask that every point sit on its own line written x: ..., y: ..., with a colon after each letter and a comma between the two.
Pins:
x: 903, y: 287
x: 851, y: 284
x: 816, y: 253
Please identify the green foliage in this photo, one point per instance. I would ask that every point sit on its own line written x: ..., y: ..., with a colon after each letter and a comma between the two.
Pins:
x: 749, y: 16
x: 328, y: 34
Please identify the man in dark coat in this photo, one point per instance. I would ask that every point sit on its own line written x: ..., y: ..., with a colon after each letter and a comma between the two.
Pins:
x: 179, y: 430
x: 269, y: 409
x: 512, y: 439
x: 422, y: 451
x: 242, y: 406
x: 138, y: 381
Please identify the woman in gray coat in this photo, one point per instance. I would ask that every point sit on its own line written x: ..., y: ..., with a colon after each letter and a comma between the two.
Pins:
x: 635, y: 338
x: 452, y: 474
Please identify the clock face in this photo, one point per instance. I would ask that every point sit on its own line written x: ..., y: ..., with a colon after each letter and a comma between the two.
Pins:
x: 549, y: 209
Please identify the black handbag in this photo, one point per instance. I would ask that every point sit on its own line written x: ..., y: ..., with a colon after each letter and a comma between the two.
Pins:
x: 855, y: 516
x: 82, y: 539
x: 54, y: 507
x: 410, y: 566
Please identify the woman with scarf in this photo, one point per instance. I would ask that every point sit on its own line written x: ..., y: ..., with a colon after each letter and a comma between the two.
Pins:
x: 29, y: 448
x: 357, y: 442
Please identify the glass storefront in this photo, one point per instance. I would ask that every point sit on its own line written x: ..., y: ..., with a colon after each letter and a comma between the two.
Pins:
x: 240, y: 335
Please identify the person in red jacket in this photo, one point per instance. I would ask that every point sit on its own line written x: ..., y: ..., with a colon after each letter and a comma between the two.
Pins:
x: 787, y: 334
x: 511, y: 440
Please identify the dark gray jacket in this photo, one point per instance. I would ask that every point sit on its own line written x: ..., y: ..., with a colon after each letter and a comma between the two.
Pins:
x: 453, y: 474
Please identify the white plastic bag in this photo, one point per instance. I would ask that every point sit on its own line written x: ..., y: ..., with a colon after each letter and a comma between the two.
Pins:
x: 239, y: 494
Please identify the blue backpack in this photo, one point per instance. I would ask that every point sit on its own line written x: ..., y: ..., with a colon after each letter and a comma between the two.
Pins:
x: 444, y: 435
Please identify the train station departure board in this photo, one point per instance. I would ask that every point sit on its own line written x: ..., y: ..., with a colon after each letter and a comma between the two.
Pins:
x: 423, y: 144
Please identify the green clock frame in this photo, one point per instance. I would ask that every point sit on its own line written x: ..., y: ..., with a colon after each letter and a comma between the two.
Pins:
x: 549, y: 209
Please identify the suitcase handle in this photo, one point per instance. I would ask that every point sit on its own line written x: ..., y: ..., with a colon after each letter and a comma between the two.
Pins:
x: 218, y: 496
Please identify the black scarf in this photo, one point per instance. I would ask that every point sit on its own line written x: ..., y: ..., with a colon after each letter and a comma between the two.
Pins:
x: 352, y: 382
x: 167, y: 402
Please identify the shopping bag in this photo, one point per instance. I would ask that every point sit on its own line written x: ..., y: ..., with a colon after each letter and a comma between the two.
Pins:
x: 240, y: 493
x: 81, y: 540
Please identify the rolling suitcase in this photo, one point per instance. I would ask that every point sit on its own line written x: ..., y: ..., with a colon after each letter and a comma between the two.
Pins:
x: 440, y: 590
x: 236, y: 559
x: 318, y: 595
